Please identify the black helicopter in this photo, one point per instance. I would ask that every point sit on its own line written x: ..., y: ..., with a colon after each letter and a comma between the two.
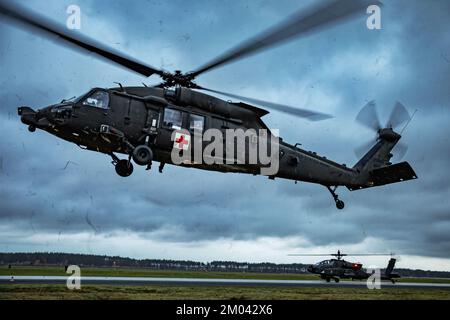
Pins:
x: 338, y: 268
x: 140, y: 121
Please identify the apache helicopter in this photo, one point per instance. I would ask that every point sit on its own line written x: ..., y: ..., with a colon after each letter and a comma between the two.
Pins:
x: 140, y: 121
x: 340, y: 269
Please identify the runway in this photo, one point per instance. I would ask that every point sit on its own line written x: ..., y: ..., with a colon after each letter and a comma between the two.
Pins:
x: 129, y: 281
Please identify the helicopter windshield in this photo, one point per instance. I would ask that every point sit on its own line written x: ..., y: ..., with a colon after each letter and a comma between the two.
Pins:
x: 324, y: 263
x: 98, y: 99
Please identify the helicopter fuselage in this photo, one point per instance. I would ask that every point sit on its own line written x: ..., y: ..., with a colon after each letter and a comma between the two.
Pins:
x: 340, y: 269
x: 174, y: 126
x: 128, y: 117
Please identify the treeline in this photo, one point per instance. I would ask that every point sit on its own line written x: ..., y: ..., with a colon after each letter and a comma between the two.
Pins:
x: 86, y: 260
x: 64, y: 259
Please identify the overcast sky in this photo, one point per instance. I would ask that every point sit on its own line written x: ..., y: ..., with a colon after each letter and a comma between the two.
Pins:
x: 85, y: 207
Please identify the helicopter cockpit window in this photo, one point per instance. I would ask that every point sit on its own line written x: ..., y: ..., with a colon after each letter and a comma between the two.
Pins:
x: 99, y: 99
x: 173, y: 119
x: 196, y: 123
x: 324, y: 263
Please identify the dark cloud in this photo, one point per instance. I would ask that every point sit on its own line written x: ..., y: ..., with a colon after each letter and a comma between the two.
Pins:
x: 338, y: 71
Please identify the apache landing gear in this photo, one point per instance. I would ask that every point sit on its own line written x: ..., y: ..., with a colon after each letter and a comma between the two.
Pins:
x: 339, y: 203
x: 124, y: 168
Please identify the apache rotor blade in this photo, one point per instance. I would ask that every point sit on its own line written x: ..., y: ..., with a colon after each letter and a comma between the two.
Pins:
x: 310, y: 255
x: 368, y: 254
x: 302, y: 113
x: 363, y: 149
x: 368, y: 116
x: 28, y: 18
x: 301, y: 23
x: 341, y: 254
x: 398, y: 116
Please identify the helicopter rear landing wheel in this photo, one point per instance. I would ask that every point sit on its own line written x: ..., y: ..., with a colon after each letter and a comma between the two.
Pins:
x: 327, y: 279
x: 336, y: 280
x: 124, y: 168
x: 339, y: 203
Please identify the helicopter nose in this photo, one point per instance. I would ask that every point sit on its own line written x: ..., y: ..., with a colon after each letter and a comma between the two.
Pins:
x: 27, y: 115
x: 310, y: 268
x: 34, y: 119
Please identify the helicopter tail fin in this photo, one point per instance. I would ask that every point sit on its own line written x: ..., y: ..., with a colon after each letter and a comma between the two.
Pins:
x: 390, y: 267
x: 389, y: 274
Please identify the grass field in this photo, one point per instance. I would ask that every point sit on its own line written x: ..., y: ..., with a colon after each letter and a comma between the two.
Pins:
x: 103, y: 292
x: 130, y: 272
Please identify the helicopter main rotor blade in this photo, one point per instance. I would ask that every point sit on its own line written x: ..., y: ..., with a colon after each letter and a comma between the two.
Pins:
x: 302, y: 113
x: 369, y: 254
x: 310, y: 255
x: 300, y: 23
x: 28, y: 18
x: 341, y: 254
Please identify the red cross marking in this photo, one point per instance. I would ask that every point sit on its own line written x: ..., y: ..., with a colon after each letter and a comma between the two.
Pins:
x: 181, y: 141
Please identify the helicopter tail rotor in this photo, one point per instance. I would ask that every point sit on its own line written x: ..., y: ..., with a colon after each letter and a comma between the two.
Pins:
x: 375, y: 167
x: 368, y: 117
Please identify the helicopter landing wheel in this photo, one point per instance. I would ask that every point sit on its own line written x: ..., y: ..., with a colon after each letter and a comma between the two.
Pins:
x: 31, y: 128
x: 336, y: 280
x: 142, y: 155
x: 124, y: 168
x: 340, y: 204
x: 327, y: 279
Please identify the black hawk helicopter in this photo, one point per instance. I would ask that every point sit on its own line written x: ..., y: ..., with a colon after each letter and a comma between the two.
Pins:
x: 338, y: 268
x: 140, y: 121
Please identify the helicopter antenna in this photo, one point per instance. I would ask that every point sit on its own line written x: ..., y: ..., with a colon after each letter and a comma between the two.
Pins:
x: 121, y: 87
x: 409, y: 121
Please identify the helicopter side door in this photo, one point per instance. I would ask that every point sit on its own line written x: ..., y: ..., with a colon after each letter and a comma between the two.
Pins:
x: 172, y: 119
x: 196, y: 126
